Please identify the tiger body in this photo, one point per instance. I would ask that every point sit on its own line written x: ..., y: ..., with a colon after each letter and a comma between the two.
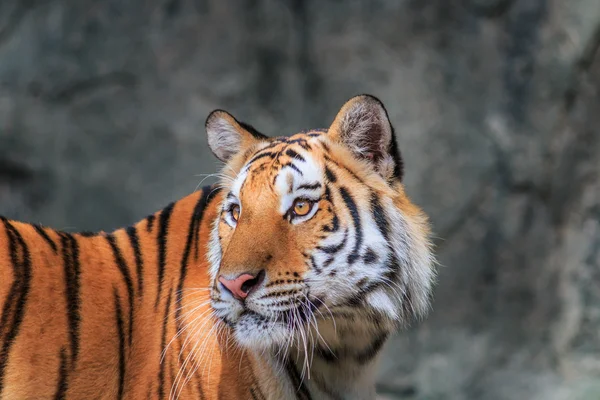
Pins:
x: 332, y: 254
x: 88, y: 316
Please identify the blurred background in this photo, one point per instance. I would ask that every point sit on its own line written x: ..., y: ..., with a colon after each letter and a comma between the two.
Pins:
x: 496, y: 104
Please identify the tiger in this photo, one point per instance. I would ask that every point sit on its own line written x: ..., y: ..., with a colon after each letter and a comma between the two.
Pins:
x: 283, y: 280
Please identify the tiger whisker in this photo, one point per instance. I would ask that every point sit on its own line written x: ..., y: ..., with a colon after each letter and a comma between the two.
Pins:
x: 177, y: 334
x: 196, y: 304
x: 197, y: 327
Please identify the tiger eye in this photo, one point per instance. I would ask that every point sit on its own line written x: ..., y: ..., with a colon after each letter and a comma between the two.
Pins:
x: 301, y: 207
x: 235, y: 212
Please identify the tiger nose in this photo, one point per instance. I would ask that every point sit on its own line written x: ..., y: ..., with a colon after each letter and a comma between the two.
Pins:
x: 241, y: 286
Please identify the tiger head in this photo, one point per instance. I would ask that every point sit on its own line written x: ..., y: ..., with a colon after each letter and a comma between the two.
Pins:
x: 316, y: 228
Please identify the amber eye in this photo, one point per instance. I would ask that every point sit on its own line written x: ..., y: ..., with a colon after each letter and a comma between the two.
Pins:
x: 235, y: 212
x: 302, y: 207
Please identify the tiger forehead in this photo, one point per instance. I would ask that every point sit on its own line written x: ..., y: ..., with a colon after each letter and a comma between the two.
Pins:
x: 282, y: 151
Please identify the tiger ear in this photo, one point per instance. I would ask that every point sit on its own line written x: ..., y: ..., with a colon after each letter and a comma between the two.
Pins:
x: 364, y: 127
x: 227, y: 136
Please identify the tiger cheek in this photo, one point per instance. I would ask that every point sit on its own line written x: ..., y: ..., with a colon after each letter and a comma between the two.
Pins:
x: 225, y: 232
x: 309, y: 234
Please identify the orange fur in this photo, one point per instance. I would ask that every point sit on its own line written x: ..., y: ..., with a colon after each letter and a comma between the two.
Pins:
x: 32, y: 368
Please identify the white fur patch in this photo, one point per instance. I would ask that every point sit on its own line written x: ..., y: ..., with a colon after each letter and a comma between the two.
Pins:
x: 382, y: 302
x: 214, y: 250
x: 311, y: 173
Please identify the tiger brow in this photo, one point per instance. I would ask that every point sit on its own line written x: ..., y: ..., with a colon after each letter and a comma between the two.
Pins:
x: 310, y: 186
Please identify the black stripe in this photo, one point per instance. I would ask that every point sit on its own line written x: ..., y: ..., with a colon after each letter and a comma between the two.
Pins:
x: 255, y: 390
x: 258, y: 157
x: 212, y: 193
x: 163, y: 341
x: 301, y: 142
x: 124, y: 269
x: 326, y: 354
x: 372, y: 350
x: 328, y: 194
x: 256, y: 393
x: 335, y: 222
x: 274, y: 143
x: 370, y: 257
x: 309, y: 186
x: 291, y: 153
x: 330, y: 175
x: 20, y: 289
x: 351, y: 204
x: 196, y: 242
x: 40, y: 230
x: 7, y: 309
x: 150, y: 222
x: 358, y: 298
x: 137, y: 252
x: 252, y: 130
x: 314, y: 265
x: 348, y: 170
x: 62, y: 386
x: 70, y: 255
x: 328, y: 262
x: 394, y: 264
x: 362, y: 357
x: 292, y: 166
x: 196, y: 220
x: 380, y: 217
x: 173, y: 375
x: 121, y: 336
x: 7, y: 312
x: 392, y: 275
x: 301, y: 390
x: 333, y: 249
x: 87, y: 234
x: 163, y: 228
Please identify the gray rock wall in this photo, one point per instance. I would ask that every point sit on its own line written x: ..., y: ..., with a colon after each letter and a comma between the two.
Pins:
x: 497, y: 108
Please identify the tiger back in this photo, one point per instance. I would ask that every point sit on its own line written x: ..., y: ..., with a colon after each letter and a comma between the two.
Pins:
x: 284, y: 280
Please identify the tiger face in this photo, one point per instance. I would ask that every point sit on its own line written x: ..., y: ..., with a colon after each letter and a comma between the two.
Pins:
x: 316, y: 228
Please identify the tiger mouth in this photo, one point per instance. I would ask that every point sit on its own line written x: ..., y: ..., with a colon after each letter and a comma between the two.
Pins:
x: 294, y: 316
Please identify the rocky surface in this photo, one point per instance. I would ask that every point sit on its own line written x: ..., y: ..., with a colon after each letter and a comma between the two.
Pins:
x: 497, y: 108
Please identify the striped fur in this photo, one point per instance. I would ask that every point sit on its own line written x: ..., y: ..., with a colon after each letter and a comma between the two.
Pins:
x: 140, y: 313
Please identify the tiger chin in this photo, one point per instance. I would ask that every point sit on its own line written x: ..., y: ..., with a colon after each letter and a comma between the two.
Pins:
x: 282, y: 281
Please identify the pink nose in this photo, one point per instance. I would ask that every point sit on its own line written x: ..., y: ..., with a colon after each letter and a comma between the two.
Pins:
x: 241, y: 286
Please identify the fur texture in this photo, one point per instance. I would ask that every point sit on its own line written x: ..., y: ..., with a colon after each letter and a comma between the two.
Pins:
x: 141, y: 312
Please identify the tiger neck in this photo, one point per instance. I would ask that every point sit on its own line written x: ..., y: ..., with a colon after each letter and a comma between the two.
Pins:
x: 346, y: 370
